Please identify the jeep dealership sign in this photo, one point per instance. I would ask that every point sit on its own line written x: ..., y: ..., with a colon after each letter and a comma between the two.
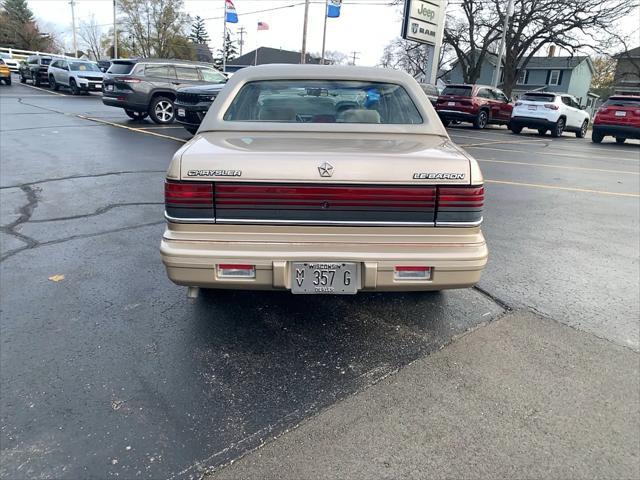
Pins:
x: 422, y: 20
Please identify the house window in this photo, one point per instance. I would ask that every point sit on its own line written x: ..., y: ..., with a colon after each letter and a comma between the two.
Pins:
x: 522, y: 77
x: 554, y: 77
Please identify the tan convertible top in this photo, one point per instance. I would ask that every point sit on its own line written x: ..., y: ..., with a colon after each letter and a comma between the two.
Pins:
x: 214, y: 118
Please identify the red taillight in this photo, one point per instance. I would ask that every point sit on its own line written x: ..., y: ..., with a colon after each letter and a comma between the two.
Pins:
x: 551, y: 106
x: 188, y: 194
x: 228, y: 270
x: 460, y: 197
x: 603, y: 110
x: 283, y: 196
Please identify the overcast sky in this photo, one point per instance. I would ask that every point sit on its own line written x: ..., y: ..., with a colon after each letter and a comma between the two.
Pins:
x: 365, y: 26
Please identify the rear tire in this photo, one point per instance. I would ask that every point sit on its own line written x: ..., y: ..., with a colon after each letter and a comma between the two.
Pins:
x: 133, y: 115
x: 446, y: 123
x: 8, y: 80
x: 558, y: 128
x: 620, y: 140
x: 53, y: 84
x: 161, y: 110
x: 596, y: 137
x: 481, y: 120
x: 542, y: 132
x: 583, y: 129
x: 515, y: 129
x: 36, y: 81
x: 22, y: 79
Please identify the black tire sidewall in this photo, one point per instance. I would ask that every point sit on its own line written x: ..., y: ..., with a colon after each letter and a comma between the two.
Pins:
x: 555, y: 131
x: 478, y: 124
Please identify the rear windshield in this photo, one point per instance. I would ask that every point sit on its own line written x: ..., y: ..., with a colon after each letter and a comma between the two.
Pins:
x: 45, y: 61
x: 458, y: 91
x: 323, y: 101
x: 537, y: 97
x: 622, y: 102
x: 120, y: 67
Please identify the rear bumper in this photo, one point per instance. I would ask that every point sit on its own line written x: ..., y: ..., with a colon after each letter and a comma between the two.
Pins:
x: 456, y: 115
x: 531, y: 122
x: 123, y: 101
x: 622, y: 131
x: 190, y: 254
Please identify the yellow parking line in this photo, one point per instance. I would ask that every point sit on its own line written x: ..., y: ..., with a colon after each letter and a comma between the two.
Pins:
x: 495, y: 142
x: 537, y: 152
x: 139, y: 130
x: 567, y: 167
x: 569, y: 189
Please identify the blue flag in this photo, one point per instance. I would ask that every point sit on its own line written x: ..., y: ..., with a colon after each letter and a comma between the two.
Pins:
x: 333, y: 9
x: 230, y: 11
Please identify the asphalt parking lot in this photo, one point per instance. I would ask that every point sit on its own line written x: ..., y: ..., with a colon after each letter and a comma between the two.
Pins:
x: 108, y: 370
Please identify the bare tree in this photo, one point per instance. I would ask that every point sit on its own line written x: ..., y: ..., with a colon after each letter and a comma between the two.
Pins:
x: 335, y: 57
x: 90, y: 33
x: 472, y: 30
x: 572, y: 25
x: 406, y: 55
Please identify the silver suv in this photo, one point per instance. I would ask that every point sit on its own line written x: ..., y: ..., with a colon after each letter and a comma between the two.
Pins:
x: 77, y: 75
x: 148, y: 86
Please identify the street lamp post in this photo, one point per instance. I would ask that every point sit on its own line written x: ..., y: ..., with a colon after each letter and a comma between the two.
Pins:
x: 496, y: 72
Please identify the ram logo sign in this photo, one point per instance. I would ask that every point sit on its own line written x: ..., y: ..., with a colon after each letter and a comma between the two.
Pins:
x: 422, y: 20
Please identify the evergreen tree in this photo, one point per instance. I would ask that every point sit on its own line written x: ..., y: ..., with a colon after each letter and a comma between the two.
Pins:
x: 18, y: 11
x: 199, y: 33
x: 229, y: 48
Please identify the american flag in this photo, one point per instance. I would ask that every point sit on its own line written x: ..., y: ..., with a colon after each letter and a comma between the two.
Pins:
x: 263, y: 26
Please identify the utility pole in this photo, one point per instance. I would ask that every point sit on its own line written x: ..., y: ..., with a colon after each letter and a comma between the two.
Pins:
x: 505, y: 26
x: 115, y: 32
x: 73, y: 26
x: 324, y: 33
x: 241, y: 32
x: 354, y: 57
x: 303, y: 53
x: 224, y: 39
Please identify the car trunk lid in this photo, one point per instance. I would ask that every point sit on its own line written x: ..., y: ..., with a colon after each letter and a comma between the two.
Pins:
x: 324, y: 179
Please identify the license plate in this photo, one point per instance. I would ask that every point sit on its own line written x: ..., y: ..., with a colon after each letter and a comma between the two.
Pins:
x: 98, y: 87
x: 532, y: 107
x: 108, y: 88
x: 181, y: 112
x: 451, y: 104
x: 620, y: 113
x: 335, y: 278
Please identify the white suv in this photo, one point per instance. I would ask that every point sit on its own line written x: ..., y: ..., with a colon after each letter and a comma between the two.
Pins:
x: 78, y: 75
x: 549, y: 111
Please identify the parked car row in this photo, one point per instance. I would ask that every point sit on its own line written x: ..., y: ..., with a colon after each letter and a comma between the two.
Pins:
x: 545, y: 112
x: 156, y: 88
x: 79, y: 76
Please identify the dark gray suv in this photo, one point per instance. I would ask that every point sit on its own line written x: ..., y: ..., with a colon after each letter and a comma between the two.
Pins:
x: 148, y: 86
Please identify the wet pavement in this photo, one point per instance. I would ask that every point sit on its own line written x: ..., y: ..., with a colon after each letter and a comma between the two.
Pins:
x: 108, y: 370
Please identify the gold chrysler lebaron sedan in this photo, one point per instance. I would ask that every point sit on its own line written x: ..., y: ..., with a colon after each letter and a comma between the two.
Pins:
x: 323, y: 180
